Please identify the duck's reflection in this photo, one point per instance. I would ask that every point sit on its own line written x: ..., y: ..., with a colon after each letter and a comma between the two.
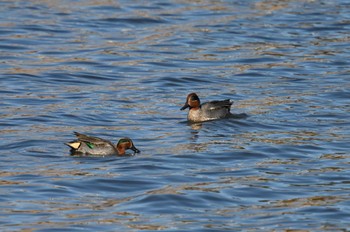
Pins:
x: 196, y: 127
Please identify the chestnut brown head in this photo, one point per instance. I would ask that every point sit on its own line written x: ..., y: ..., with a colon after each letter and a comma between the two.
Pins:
x: 192, y: 101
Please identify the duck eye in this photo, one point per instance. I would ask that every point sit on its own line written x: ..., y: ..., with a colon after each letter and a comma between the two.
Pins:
x: 194, y: 98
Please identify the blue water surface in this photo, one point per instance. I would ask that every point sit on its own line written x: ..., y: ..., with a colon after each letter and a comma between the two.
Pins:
x: 124, y: 68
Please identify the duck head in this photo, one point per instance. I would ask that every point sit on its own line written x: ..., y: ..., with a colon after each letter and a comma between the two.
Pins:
x: 192, y: 102
x: 125, y: 144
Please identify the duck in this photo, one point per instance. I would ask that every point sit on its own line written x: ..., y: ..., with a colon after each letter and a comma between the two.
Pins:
x: 86, y: 145
x: 207, y: 111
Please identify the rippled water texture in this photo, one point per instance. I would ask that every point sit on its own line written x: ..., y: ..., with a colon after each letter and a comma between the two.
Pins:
x: 123, y: 68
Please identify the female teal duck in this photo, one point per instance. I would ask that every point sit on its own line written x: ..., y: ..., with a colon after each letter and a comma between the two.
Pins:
x: 88, y: 145
x: 207, y: 111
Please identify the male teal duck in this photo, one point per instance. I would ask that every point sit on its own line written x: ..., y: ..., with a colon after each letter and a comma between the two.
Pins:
x: 207, y: 111
x: 86, y: 145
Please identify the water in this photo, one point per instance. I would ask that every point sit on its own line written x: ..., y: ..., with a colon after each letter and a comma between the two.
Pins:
x: 123, y: 68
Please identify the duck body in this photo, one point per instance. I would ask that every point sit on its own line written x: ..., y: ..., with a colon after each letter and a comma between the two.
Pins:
x: 86, y: 145
x: 207, y: 111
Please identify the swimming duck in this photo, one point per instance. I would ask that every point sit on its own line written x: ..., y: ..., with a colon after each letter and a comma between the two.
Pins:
x: 207, y: 111
x: 94, y: 146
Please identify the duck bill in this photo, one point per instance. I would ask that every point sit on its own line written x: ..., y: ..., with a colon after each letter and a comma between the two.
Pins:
x: 185, y: 106
x: 135, y: 150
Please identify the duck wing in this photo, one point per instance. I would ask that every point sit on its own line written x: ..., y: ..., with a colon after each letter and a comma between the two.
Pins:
x: 90, y: 139
x: 216, y: 105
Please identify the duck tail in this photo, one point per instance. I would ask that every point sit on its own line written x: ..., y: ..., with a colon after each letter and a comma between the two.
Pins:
x: 74, y: 144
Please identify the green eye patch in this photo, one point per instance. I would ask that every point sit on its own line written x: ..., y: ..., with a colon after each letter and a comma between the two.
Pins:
x: 123, y: 141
